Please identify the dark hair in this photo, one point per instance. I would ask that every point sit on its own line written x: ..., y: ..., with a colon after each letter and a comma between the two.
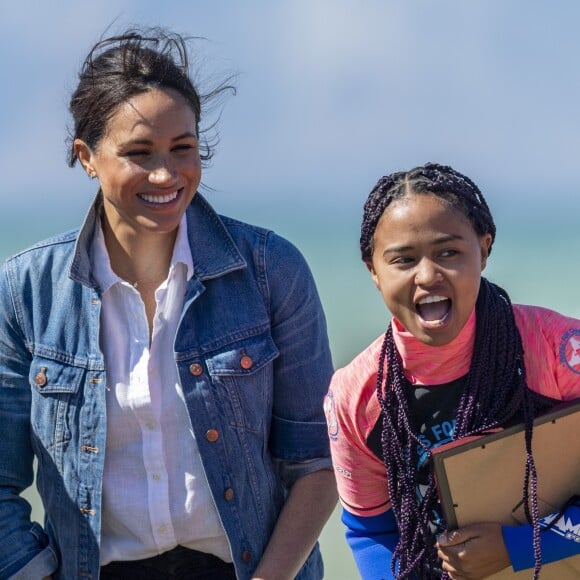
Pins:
x: 120, y: 67
x: 496, y: 392
x: 440, y: 180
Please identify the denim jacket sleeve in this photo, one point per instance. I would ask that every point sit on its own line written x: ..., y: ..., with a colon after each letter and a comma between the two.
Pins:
x: 304, y: 367
x: 24, y: 549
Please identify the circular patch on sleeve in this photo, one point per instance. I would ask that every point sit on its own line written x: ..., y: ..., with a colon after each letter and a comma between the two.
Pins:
x: 570, y: 350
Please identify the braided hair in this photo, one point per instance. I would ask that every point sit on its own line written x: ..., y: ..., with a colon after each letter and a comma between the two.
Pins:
x: 496, y: 392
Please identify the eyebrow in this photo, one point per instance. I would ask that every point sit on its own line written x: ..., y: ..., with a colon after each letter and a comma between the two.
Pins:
x: 186, y: 135
x: 436, y: 242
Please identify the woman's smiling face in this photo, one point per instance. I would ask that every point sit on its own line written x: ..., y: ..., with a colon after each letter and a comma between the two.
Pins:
x: 147, y: 162
x: 427, y: 262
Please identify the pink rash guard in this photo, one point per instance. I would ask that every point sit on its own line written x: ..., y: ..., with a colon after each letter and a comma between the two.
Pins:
x: 551, y: 344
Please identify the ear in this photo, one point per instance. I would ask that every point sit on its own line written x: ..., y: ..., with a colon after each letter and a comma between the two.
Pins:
x: 85, y: 156
x: 485, y: 245
x: 373, y: 273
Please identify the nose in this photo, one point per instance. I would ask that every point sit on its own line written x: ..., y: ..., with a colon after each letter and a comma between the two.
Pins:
x: 163, y: 172
x: 427, y: 273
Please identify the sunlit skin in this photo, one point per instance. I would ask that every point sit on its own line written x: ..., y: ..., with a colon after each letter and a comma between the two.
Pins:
x: 148, y: 165
x: 473, y: 552
x: 427, y: 263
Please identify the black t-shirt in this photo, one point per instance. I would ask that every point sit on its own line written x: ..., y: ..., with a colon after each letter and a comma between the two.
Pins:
x: 432, y: 411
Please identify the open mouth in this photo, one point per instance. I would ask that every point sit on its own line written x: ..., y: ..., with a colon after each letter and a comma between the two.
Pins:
x: 433, y: 309
x: 159, y: 199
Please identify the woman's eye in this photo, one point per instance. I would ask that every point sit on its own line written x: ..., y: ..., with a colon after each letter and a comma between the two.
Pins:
x: 402, y: 260
x: 137, y: 153
x: 449, y: 253
x: 183, y: 148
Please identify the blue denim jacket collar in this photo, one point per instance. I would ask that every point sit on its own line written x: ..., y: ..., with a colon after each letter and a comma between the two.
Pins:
x: 213, y: 250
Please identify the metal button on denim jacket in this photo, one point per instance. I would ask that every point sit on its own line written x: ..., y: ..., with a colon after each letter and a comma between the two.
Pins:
x: 254, y: 364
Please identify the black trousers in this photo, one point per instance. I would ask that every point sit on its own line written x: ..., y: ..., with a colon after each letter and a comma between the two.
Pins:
x: 179, y: 564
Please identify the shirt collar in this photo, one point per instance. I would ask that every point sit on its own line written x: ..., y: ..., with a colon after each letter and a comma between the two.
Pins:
x: 102, y: 271
x: 212, y: 248
x: 101, y: 264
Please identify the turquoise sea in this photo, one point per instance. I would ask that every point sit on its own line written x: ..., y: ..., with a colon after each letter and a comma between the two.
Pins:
x: 535, y: 259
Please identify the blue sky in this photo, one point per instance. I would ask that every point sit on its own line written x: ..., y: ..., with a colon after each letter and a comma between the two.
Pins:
x: 331, y: 94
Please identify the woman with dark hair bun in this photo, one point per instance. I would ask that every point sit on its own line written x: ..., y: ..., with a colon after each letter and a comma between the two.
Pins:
x: 457, y: 359
x: 164, y: 365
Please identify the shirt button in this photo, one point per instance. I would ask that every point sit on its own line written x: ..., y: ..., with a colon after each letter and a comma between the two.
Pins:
x: 163, y: 530
x: 229, y: 494
x: 246, y: 362
x: 196, y: 369
x: 212, y: 435
x: 40, y: 378
x: 156, y: 477
x: 246, y: 555
x: 150, y: 425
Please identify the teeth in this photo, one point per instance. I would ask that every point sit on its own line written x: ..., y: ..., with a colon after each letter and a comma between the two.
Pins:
x: 159, y: 198
x: 430, y: 299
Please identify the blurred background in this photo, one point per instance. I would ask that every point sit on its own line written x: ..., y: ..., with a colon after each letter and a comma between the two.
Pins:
x: 332, y: 94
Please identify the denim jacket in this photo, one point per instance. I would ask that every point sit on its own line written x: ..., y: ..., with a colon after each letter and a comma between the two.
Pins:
x: 254, y: 363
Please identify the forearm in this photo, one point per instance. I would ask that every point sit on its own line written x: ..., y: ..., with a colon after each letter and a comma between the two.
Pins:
x: 373, y: 541
x: 24, y: 549
x: 309, y: 505
x: 23, y: 544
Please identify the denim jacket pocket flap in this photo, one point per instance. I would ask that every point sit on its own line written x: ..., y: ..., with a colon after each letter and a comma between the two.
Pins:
x: 53, y: 377
x: 244, y: 357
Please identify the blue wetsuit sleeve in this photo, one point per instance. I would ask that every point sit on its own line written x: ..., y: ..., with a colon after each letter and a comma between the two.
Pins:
x: 372, y: 541
x: 560, y: 540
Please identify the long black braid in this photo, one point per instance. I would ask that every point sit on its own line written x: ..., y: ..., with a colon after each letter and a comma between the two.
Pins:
x: 496, y: 392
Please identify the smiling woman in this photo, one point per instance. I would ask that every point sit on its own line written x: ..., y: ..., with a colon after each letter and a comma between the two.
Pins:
x: 164, y: 364
x: 147, y: 163
x: 149, y: 169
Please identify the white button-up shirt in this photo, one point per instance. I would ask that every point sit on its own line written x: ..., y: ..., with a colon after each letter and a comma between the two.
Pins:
x: 155, y: 493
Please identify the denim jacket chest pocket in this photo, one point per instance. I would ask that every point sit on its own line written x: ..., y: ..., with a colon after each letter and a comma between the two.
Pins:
x: 56, y: 400
x: 242, y: 375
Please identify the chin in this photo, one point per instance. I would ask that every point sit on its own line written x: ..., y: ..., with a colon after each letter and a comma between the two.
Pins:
x: 436, y: 339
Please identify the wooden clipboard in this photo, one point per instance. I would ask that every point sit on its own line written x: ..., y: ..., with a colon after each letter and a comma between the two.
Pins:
x: 482, y: 479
